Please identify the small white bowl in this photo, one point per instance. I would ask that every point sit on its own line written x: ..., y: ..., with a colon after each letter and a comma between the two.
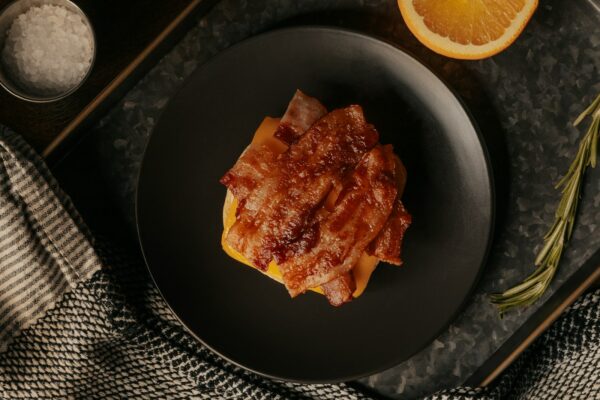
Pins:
x: 7, y: 16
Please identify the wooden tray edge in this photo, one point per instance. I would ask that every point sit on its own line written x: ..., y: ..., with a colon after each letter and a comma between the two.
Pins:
x: 583, y: 279
x: 122, y: 77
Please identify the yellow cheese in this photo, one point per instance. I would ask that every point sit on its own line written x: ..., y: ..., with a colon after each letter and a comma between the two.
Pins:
x: 264, y: 136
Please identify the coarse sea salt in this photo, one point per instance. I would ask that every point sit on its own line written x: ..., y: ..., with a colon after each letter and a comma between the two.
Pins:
x: 48, y: 49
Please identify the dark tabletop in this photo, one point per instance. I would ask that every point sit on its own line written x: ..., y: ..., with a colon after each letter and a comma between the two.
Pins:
x: 523, y: 99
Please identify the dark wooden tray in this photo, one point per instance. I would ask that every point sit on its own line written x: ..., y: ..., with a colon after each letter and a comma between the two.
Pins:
x: 130, y: 35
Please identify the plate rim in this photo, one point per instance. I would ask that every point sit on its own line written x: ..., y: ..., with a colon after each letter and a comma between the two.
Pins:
x: 377, y: 40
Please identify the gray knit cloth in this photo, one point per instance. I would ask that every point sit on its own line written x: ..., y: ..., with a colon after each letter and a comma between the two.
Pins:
x: 79, y: 320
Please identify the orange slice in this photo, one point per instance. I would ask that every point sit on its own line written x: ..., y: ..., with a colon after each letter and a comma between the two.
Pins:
x: 467, y: 29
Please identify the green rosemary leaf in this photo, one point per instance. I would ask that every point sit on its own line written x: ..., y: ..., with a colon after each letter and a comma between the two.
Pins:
x: 593, y: 107
x: 555, y: 240
x: 594, y: 150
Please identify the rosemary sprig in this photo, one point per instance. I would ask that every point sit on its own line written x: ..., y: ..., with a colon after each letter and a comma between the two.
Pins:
x: 548, y: 258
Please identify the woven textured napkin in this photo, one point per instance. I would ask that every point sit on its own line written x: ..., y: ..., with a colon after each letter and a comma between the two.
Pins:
x: 79, y: 320
x: 44, y: 249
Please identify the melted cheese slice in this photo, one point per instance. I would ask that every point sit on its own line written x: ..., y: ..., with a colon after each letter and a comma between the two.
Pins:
x: 264, y: 136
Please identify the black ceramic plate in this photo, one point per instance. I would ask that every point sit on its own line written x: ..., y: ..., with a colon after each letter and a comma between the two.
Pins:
x: 245, y: 316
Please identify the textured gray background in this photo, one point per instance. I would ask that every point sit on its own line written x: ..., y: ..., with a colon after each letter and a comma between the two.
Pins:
x: 523, y: 99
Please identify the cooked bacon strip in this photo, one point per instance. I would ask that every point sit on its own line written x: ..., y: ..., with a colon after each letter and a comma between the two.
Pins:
x: 361, y: 211
x: 387, y: 246
x: 339, y: 290
x: 250, y: 170
x: 301, y: 113
x: 281, y: 208
x: 400, y: 175
x: 254, y: 165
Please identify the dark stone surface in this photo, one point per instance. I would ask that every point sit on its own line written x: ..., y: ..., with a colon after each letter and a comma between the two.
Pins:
x: 524, y: 100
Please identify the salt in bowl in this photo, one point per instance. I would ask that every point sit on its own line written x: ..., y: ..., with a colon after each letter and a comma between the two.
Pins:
x: 7, y: 79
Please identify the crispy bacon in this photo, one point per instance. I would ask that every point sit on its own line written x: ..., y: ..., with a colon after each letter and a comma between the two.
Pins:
x: 250, y: 170
x: 361, y: 211
x: 388, y: 244
x: 339, y: 290
x: 282, y: 207
x: 281, y: 213
x: 301, y: 113
x: 255, y: 164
